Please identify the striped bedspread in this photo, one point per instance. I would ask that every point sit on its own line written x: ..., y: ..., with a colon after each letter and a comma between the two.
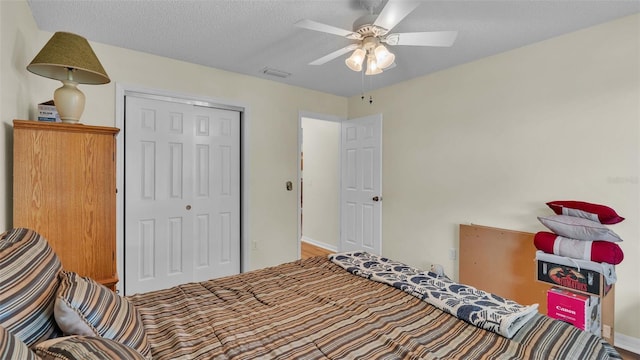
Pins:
x: 314, y: 309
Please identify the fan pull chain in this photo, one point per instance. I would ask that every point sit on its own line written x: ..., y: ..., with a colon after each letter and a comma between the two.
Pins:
x: 362, y: 87
x: 362, y: 84
x: 370, y: 87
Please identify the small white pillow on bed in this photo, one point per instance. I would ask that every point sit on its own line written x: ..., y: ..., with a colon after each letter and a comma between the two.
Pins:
x: 84, y: 307
x: 578, y: 228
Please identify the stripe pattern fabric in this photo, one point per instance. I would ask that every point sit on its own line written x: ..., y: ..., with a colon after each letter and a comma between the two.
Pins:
x: 84, y: 348
x: 314, y: 309
x: 13, y: 348
x: 28, y: 284
x: 84, y: 307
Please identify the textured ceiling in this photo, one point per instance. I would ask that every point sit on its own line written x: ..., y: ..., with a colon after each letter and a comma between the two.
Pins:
x: 246, y: 36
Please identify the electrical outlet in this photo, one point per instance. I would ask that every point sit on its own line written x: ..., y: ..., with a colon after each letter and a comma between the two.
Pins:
x: 453, y: 254
x: 254, y: 245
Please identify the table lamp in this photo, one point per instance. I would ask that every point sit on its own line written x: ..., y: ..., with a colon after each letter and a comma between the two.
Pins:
x: 69, y: 58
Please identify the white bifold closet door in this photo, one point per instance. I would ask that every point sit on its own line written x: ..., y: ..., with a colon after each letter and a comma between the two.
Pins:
x: 182, y: 193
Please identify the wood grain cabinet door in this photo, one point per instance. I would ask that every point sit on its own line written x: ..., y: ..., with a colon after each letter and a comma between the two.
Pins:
x: 64, y: 188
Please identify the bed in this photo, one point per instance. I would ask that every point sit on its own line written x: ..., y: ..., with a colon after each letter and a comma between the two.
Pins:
x: 308, y: 309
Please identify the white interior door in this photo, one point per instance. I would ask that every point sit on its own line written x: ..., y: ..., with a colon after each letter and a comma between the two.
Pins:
x: 182, y: 194
x: 361, y: 185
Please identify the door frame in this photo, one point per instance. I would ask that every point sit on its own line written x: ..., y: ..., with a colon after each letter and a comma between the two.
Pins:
x: 122, y: 90
x: 322, y: 117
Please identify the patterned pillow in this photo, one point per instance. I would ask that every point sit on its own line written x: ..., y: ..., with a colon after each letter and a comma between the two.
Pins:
x: 13, y: 348
x: 28, y: 282
x: 84, y: 307
x: 85, y: 348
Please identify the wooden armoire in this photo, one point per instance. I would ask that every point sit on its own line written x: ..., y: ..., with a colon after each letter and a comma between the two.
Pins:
x: 64, y: 187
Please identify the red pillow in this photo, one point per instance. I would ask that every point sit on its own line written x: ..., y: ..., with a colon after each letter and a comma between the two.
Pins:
x: 600, y: 213
x: 601, y: 251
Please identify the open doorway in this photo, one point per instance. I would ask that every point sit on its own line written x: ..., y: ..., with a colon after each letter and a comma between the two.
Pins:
x: 319, y: 188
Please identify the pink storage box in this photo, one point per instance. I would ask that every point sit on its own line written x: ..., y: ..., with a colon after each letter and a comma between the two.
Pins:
x: 580, y: 310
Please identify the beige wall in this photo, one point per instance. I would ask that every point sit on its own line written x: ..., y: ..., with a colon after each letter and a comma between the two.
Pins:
x: 16, y: 44
x: 487, y: 142
x: 321, y: 211
x: 273, y: 110
x: 491, y: 141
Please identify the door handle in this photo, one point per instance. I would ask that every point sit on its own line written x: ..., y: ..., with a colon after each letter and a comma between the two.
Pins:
x: 377, y: 198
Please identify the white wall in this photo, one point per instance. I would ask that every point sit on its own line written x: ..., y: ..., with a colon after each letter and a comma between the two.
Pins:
x: 273, y: 110
x: 321, y: 206
x: 491, y: 141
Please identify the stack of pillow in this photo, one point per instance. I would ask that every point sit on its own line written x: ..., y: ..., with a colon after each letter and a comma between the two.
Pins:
x: 40, y: 302
x: 579, y: 231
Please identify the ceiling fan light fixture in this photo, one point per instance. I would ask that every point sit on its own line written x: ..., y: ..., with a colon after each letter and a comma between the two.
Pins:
x: 354, y: 62
x: 384, y: 58
x: 372, y: 33
x: 372, y: 66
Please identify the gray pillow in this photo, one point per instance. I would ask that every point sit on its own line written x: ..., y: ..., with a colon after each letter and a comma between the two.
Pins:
x: 578, y: 228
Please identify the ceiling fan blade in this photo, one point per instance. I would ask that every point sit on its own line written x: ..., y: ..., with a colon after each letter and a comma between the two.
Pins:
x: 428, y: 38
x: 394, y: 12
x: 334, y: 55
x: 316, y: 26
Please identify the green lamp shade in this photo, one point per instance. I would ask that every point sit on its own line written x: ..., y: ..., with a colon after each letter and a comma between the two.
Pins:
x: 66, y: 51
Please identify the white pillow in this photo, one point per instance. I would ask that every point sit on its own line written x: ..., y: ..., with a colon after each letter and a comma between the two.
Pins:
x: 578, y: 228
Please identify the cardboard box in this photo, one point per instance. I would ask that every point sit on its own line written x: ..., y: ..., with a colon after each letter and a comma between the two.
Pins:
x: 584, y: 280
x: 580, y: 310
x: 47, y: 112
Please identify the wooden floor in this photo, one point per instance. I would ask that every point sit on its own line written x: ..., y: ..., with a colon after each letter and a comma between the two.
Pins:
x: 307, y: 250
x: 627, y: 355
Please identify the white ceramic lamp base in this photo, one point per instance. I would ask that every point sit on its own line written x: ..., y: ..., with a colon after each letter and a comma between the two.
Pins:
x: 69, y: 101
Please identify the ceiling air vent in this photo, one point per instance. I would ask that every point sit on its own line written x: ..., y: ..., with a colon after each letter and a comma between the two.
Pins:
x: 276, y: 73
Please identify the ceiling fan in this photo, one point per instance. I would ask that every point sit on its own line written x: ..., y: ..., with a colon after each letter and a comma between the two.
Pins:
x: 371, y: 32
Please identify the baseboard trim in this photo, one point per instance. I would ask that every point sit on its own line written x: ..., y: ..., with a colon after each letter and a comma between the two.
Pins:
x: 319, y: 244
x: 627, y: 343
